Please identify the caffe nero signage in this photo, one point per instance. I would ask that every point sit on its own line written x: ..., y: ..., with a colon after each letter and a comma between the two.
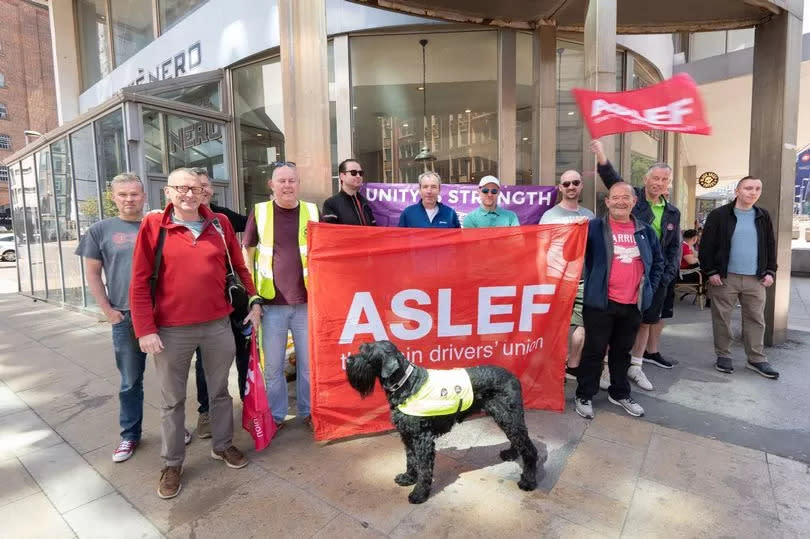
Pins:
x: 172, y: 67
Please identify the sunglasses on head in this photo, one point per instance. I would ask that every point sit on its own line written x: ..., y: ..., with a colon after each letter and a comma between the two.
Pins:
x: 354, y: 172
x: 567, y: 184
x: 279, y: 164
x: 487, y: 190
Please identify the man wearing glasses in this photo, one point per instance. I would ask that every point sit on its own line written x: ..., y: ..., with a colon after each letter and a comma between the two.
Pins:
x: 348, y: 207
x: 488, y: 214
x: 185, y: 308
x: 569, y: 211
x: 276, y: 243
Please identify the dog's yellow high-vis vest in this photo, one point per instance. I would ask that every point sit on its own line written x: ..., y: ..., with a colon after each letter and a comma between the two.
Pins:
x: 263, y: 260
x: 445, y: 392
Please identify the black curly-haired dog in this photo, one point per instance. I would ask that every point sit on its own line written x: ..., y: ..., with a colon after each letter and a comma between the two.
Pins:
x: 495, y: 391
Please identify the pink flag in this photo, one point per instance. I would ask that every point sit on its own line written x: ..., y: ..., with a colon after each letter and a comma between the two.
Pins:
x: 256, y: 417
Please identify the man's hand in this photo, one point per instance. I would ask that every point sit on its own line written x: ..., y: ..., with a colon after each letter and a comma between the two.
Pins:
x: 254, y: 317
x: 767, y: 280
x: 599, y: 150
x: 715, y: 280
x: 113, y: 316
x: 151, y: 344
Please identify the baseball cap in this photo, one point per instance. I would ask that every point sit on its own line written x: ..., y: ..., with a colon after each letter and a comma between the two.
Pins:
x: 489, y: 179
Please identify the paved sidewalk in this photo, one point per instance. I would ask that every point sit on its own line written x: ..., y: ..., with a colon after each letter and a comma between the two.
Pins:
x: 613, y: 476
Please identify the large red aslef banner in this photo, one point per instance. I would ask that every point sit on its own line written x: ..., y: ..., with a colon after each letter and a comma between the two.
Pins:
x: 447, y: 298
x: 671, y: 105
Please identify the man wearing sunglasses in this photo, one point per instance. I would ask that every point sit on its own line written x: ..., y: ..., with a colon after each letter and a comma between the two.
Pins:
x: 488, y: 214
x: 348, y: 207
x: 651, y: 207
x: 569, y: 211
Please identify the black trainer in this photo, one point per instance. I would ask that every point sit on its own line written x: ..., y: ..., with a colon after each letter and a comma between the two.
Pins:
x: 764, y: 368
x: 657, y: 360
x: 723, y: 364
x: 570, y: 372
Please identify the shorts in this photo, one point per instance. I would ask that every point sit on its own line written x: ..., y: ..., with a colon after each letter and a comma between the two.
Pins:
x: 661, y: 306
x: 576, y: 314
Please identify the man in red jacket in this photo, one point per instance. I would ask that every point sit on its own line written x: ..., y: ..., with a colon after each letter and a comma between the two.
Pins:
x: 190, y: 310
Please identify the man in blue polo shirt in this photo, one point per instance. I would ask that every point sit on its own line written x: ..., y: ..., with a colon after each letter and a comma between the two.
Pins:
x: 429, y: 212
x: 488, y: 213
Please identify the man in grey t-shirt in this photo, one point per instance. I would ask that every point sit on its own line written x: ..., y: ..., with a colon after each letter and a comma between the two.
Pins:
x: 107, y: 247
x: 569, y: 211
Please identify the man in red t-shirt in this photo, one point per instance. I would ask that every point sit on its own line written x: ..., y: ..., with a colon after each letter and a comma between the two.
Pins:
x: 623, y: 267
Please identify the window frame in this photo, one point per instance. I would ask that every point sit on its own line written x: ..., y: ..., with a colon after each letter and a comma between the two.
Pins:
x: 4, y: 112
x: 5, y: 142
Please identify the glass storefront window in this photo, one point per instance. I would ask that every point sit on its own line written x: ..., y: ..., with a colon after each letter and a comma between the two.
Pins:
x: 460, y: 126
x: 203, y: 95
x: 32, y: 227
x: 48, y: 224
x: 84, y: 169
x: 91, y: 22
x: 132, y: 27
x: 20, y: 232
x: 111, y: 151
x: 67, y: 221
x: 196, y: 143
x: 172, y: 11
x: 154, y: 141
x: 259, y: 125
x: 646, y: 147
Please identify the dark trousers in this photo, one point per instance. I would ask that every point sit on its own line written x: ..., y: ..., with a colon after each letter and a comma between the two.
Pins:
x: 616, y: 328
x: 242, y: 343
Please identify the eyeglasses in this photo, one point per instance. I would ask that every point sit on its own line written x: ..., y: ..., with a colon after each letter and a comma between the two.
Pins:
x: 183, y: 189
x: 567, y: 184
x: 354, y: 172
x: 487, y: 190
x: 279, y: 164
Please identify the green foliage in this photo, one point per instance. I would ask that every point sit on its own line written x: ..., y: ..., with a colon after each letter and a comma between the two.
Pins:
x: 638, y: 167
x: 89, y: 207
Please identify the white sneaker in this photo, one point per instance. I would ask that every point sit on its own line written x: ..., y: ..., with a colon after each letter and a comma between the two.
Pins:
x: 604, y: 379
x: 630, y: 406
x: 584, y: 407
x: 187, y: 437
x: 635, y: 374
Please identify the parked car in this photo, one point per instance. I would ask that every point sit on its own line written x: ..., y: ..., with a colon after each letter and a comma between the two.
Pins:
x: 7, y: 248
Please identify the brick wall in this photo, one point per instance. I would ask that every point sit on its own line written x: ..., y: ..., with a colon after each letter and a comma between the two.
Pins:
x: 26, y: 61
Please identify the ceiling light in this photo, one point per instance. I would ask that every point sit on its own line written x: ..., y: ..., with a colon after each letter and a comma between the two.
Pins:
x: 424, y: 154
x: 467, y: 110
x: 421, y: 88
x: 571, y: 113
x: 259, y: 135
x: 354, y: 107
x: 525, y: 139
x: 404, y: 125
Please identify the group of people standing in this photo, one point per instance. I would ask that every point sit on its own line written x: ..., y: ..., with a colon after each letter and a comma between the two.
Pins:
x: 164, y: 274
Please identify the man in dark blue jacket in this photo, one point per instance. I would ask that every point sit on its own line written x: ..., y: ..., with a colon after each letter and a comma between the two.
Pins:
x: 623, y: 268
x: 429, y: 212
x: 653, y: 208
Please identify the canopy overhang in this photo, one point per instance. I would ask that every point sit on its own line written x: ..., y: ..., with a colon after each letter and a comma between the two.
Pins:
x: 633, y: 16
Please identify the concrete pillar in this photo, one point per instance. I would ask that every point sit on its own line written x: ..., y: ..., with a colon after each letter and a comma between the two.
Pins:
x: 343, y: 98
x: 304, y: 83
x: 774, y: 113
x: 600, y: 74
x: 544, y: 115
x: 689, y: 175
x: 507, y: 106
x: 65, y: 60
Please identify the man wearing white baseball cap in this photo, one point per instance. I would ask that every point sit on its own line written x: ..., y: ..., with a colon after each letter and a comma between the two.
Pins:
x: 489, y: 214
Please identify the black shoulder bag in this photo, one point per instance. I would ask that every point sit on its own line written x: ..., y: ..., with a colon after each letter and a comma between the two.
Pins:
x: 235, y: 291
x: 153, y: 280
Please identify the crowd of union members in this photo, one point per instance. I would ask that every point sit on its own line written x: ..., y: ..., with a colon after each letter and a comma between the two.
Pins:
x: 159, y: 278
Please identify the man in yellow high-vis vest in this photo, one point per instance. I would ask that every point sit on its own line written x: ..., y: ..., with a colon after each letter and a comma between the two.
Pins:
x: 276, y: 242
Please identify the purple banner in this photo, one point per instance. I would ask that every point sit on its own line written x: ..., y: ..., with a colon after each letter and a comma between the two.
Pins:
x: 529, y: 202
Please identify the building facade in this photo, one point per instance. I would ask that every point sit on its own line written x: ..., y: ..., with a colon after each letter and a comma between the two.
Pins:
x: 27, y: 91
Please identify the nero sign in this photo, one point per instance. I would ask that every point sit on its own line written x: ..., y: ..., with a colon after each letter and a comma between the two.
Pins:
x: 172, y: 67
x: 672, y: 105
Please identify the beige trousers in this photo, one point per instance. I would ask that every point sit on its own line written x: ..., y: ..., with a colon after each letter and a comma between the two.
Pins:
x: 749, y: 292
x: 216, y: 343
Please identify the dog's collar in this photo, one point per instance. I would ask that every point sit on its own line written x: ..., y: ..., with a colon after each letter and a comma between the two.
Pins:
x: 402, y: 380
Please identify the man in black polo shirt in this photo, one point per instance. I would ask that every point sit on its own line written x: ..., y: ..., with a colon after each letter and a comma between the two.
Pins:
x: 348, y: 207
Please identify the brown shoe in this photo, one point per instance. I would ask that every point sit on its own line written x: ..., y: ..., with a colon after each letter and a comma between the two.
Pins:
x: 232, y: 456
x: 170, y: 485
x: 203, y: 426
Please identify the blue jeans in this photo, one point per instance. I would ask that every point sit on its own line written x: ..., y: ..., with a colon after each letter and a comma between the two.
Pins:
x: 131, y: 363
x: 276, y: 321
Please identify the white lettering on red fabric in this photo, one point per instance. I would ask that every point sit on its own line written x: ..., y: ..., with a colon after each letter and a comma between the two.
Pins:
x: 670, y: 114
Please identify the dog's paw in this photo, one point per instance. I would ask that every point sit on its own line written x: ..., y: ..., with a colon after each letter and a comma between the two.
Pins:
x: 404, y: 480
x: 527, y: 484
x: 509, y: 454
x: 418, y: 495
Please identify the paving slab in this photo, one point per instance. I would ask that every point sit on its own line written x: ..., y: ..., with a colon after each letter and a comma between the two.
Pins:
x: 17, y: 482
x: 110, y: 516
x: 24, y: 432
x: 33, y: 516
